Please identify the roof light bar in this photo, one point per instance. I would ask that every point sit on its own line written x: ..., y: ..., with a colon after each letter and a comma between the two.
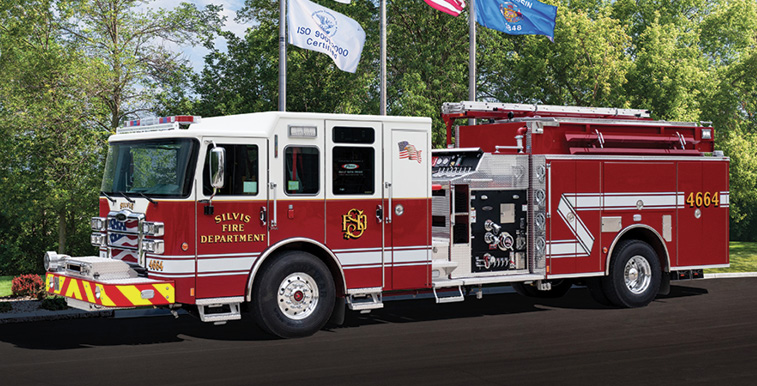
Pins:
x: 157, y: 124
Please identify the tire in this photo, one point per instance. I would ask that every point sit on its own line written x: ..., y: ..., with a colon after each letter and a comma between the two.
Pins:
x: 559, y: 288
x: 594, y: 284
x: 634, y: 278
x: 294, y: 295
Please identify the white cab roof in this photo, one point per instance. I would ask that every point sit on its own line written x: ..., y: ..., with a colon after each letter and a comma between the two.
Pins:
x: 259, y: 125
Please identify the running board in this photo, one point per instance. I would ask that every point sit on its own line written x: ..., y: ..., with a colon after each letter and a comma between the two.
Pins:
x: 220, y: 309
x: 360, y: 299
x: 457, y: 296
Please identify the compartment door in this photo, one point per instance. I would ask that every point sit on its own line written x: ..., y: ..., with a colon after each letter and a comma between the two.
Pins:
x: 702, y: 214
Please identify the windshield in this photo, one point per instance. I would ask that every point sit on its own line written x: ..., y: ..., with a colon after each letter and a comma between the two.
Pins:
x: 154, y: 168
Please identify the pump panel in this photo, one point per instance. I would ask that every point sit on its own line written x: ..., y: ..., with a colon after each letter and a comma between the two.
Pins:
x: 499, y: 239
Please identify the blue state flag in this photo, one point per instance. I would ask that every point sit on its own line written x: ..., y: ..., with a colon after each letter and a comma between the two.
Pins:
x: 517, y: 17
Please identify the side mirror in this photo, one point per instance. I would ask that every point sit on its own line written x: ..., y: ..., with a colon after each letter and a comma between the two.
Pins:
x: 217, y: 166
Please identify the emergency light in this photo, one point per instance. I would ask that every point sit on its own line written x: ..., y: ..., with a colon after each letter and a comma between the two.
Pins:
x: 157, y: 124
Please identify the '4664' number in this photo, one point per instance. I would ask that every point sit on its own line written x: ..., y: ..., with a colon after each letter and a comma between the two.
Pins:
x: 705, y: 199
x: 155, y: 265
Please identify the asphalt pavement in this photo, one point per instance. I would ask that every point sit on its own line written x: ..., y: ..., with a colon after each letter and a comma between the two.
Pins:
x: 702, y: 333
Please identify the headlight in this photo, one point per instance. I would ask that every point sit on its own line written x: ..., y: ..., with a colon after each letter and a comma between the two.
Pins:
x: 153, y: 246
x: 97, y: 239
x: 98, y: 224
x: 53, y: 261
x: 706, y: 133
x: 153, y: 228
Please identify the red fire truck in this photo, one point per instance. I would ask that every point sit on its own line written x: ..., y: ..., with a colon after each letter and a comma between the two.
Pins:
x: 297, y: 216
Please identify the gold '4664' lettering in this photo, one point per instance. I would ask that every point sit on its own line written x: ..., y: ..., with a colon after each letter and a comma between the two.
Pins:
x: 699, y: 199
x: 155, y: 265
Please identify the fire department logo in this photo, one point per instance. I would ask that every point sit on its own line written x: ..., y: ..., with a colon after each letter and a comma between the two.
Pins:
x: 354, y: 224
x: 511, y: 12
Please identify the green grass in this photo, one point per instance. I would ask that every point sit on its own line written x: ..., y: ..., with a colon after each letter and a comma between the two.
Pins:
x: 5, y: 285
x: 743, y: 258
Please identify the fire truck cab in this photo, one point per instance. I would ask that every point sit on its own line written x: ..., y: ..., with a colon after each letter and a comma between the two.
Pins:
x: 289, y: 212
x: 295, y: 216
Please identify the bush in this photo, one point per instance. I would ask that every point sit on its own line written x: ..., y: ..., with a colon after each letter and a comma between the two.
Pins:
x: 53, y: 303
x: 27, y: 285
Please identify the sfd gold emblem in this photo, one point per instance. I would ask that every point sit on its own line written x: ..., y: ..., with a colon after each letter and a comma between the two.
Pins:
x: 354, y: 224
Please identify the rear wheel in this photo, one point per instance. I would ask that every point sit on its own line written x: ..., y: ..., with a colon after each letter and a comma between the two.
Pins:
x: 559, y: 288
x: 634, y: 278
x: 594, y: 284
x: 294, y: 295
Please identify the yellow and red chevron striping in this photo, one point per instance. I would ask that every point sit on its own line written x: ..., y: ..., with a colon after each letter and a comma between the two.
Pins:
x: 111, y: 294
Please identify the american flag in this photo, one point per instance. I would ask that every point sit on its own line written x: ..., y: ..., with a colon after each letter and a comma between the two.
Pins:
x: 408, y: 151
x: 125, y: 255
x: 452, y: 7
x: 121, y: 240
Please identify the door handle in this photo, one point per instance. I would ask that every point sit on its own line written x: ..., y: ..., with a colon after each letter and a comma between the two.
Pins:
x: 263, y: 216
x: 388, y: 186
x: 379, y: 214
x: 274, y: 222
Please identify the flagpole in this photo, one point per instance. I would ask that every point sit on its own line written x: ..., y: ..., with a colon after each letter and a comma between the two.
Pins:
x: 472, y: 55
x: 282, y: 56
x: 382, y: 97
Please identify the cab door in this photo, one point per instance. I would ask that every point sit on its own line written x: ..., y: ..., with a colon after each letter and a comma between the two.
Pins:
x: 230, y: 231
x: 296, y: 181
x: 354, y: 208
x: 407, y: 199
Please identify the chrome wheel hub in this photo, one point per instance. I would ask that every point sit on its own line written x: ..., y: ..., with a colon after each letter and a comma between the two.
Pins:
x: 298, y: 296
x: 637, y: 274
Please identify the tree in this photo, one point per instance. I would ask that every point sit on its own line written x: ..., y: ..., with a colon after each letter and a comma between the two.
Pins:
x: 245, y: 77
x: 587, y: 65
x: 132, y: 42
x: 51, y: 155
x: 729, y: 34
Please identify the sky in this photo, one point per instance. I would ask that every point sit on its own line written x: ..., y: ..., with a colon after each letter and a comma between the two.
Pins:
x: 195, y: 54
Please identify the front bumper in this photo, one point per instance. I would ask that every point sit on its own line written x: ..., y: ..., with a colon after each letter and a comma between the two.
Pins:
x: 124, y: 293
x: 94, y: 283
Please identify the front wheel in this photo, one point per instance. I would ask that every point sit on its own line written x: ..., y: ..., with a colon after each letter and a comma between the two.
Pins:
x: 294, y: 295
x: 634, y: 278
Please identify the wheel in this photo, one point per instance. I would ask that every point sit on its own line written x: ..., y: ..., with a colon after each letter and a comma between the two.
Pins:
x: 594, y: 284
x: 634, y: 278
x: 559, y: 288
x: 294, y: 295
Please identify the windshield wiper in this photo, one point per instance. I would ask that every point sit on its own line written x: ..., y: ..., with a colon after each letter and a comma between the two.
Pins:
x: 126, y: 197
x: 148, y: 198
x: 111, y: 199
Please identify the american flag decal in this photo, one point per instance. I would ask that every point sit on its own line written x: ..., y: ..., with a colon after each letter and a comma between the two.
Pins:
x: 408, y: 151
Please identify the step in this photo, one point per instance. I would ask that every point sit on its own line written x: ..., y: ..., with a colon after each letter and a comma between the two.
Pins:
x: 204, y: 307
x: 360, y: 299
x: 458, y: 296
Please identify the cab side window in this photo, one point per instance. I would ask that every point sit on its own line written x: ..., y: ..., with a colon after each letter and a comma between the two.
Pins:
x: 241, y: 174
x: 301, y: 170
x: 353, y: 166
x: 353, y: 170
